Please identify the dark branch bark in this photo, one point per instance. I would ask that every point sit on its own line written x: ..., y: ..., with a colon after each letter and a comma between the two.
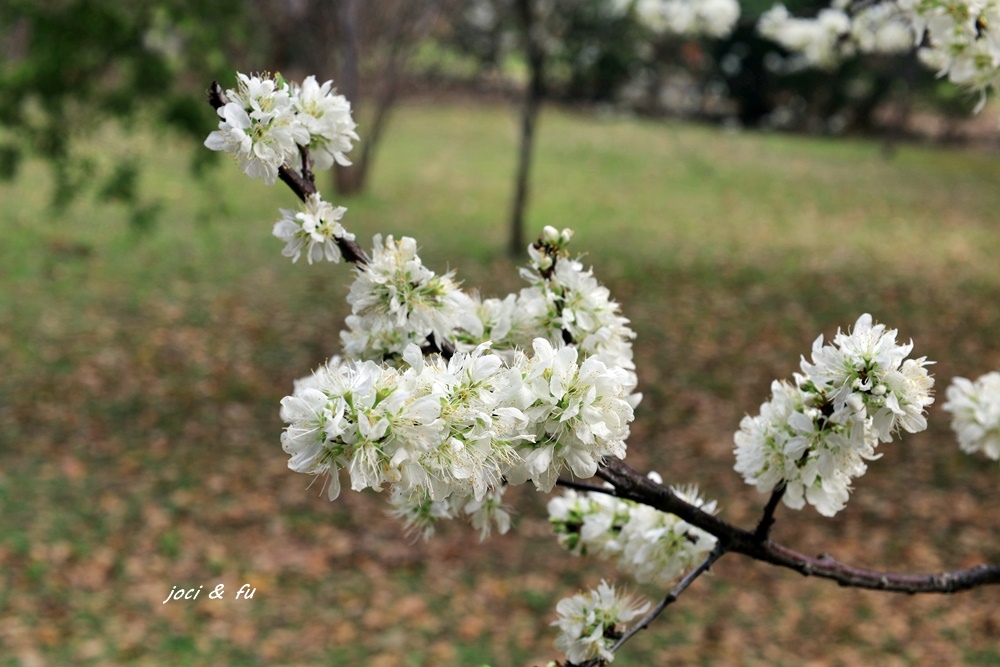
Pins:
x: 302, y: 187
x: 583, y: 486
x: 631, y: 485
x: 216, y: 97
x: 345, y: 178
x: 767, y: 519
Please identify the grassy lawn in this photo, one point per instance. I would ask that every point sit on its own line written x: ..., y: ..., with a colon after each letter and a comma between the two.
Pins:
x: 141, y: 377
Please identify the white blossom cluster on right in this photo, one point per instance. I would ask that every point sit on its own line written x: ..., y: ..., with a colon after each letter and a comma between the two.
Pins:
x: 960, y: 39
x: 816, y: 434
x: 975, y: 414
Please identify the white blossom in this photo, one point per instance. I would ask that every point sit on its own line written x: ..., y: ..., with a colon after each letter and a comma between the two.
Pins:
x: 564, y: 301
x: 327, y: 118
x: 816, y: 435
x: 314, y: 230
x: 266, y: 120
x: 821, y: 41
x: 420, y: 513
x: 258, y: 127
x: 488, y: 513
x: 397, y: 301
x: 975, y: 414
x: 868, y: 367
x: 712, y: 18
x: 578, y: 414
x: 490, y: 320
x: 589, y: 622
x: 883, y: 27
x: 960, y: 39
x: 652, y: 546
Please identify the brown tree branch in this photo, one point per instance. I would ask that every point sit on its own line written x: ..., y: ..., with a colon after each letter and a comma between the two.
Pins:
x: 632, y: 485
x: 767, y: 519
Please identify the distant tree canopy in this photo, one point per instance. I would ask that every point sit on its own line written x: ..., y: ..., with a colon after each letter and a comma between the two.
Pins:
x: 66, y: 66
x: 595, y: 55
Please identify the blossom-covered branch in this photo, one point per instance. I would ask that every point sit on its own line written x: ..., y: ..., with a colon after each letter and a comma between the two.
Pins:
x: 279, y: 135
x: 445, y: 398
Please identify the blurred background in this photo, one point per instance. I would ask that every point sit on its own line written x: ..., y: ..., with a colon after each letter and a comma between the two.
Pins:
x: 735, y: 205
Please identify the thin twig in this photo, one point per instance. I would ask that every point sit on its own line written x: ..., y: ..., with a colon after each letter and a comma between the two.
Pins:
x: 716, y: 553
x: 671, y: 597
x: 767, y: 520
x: 307, y: 165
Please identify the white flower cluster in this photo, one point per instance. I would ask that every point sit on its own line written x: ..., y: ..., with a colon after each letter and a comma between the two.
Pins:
x: 315, y: 230
x: 815, y: 434
x: 834, y: 34
x: 266, y: 120
x: 590, y: 623
x: 653, y: 546
x: 396, y: 301
x: 419, y: 513
x: 958, y: 38
x: 435, y: 429
x: 565, y: 301
x: 578, y: 412
x: 975, y: 414
x: 883, y: 27
x: 327, y: 117
x: 692, y: 18
x: 962, y: 39
x: 449, y: 431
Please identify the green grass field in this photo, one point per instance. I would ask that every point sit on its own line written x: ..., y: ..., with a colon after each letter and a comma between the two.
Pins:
x: 141, y: 377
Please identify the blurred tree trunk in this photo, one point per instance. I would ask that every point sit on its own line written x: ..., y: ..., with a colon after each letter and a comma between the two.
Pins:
x: 377, y: 38
x: 348, y: 180
x: 906, y: 80
x: 365, y: 44
x: 531, y: 104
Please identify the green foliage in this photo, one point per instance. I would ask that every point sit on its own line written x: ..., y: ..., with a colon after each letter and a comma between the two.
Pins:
x: 72, y: 64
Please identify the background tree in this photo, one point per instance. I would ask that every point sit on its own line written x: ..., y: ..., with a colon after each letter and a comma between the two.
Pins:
x: 69, y: 66
x: 586, y: 49
x: 365, y: 47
